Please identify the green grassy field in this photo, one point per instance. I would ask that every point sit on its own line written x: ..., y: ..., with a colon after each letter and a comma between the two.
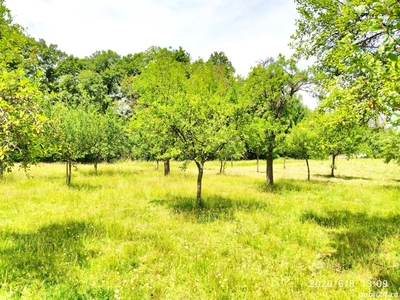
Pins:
x: 131, y: 233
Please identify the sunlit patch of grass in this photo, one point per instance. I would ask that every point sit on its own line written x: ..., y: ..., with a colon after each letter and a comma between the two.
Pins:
x: 131, y: 233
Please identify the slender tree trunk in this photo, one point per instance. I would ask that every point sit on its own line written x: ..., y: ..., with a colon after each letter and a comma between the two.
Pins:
x: 95, y: 167
x: 68, y: 170
x: 221, y: 166
x: 1, y: 169
x: 270, y: 167
x: 200, y: 167
x: 231, y: 161
x: 67, y: 178
x: 333, y: 165
x: 308, y: 169
x: 157, y: 164
x: 167, y: 168
x: 284, y: 162
x: 258, y: 163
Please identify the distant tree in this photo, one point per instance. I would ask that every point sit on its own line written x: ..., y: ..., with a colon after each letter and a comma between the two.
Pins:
x: 70, y: 130
x: 70, y: 65
x: 92, y: 90
x: 108, y: 65
x: 220, y: 59
x: 371, y: 141
x: 270, y: 89
x: 339, y: 135
x: 49, y: 56
x: 255, y: 137
x: 181, y: 55
x: 233, y: 150
x: 304, y: 141
x: 390, y: 145
x: 106, y: 138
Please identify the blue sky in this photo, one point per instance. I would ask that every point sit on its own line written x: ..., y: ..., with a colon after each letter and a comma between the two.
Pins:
x: 246, y: 30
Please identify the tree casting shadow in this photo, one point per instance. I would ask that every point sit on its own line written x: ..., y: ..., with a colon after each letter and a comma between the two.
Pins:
x: 215, y: 208
x: 359, y: 241
x: 48, y: 257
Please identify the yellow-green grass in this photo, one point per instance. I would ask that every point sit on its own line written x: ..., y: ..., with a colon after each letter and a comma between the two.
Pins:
x: 131, y: 233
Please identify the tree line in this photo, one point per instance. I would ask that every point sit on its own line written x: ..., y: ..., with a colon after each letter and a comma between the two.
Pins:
x: 160, y: 104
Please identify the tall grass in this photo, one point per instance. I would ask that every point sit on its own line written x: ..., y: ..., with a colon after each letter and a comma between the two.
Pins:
x: 131, y: 233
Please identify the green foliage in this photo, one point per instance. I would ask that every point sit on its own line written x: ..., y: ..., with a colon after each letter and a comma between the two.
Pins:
x: 270, y: 91
x: 106, y: 137
x: 355, y: 43
x: 81, y: 133
x: 339, y: 136
x: 390, y: 145
x: 304, y: 140
x: 48, y: 57
x: 71, y: 126
x: 204, y: 117
x: 220, y: 59
x: 93, y: 91
x: 21, y: 120
x: 185, y: 110
x: 70, y: 65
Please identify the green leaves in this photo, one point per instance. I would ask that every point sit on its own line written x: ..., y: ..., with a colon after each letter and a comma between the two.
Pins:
x: 21, y: 120
x: 356, y: 48
x: 390, y: 146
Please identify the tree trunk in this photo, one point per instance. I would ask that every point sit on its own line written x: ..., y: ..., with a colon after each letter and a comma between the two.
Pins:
x: 200, y: 167
x: 284, y: 162
x: 270, y: 167
x: 167, y: 168
x: 308, y: 169
x: 1, y: 170
x: 157, y: 164
x: 68, y: 170
x: 258, y: 163
x: 333, y: 165
x: 95, y: 167
x: 270, y: 171
x: 221, y: 166
x: 231, y: 161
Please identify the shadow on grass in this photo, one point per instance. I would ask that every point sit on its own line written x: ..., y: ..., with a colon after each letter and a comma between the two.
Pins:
x: 214, y: 208
x: 292, y: 185
x: 47, y: 258
x: 394, y: 187
x: 357, y: 239
x: 109, y: 172
x: 85, y: 186
x: 342, y: 177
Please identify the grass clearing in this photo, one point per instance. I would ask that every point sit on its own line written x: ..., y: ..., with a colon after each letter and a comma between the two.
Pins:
x: 131, y: 233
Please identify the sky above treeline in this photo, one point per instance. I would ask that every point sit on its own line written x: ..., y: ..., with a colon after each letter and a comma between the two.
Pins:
x: 247, y: 31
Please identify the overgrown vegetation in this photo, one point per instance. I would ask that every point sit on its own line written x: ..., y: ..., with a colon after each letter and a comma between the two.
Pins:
x: 132, y: 233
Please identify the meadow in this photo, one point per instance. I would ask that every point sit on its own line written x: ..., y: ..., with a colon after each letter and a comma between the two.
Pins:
x: 131, y: 233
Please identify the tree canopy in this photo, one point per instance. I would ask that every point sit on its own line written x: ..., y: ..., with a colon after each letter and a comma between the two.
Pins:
x: 21, y: 119
x: 355, y: 44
